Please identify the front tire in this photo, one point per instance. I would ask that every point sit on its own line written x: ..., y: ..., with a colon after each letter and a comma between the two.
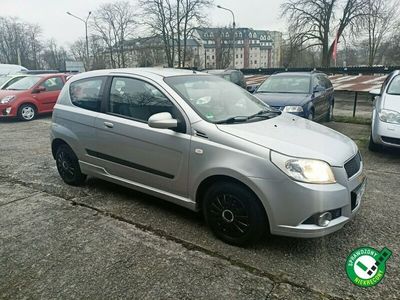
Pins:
x: 68, y: 166
x: 27, y: 112
x: 234, y: 214
x: 329, y: 115
x: 311, y: 115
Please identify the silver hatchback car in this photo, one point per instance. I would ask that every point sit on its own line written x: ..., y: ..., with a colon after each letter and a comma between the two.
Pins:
x: 206, y: 144
x: 386, y: 114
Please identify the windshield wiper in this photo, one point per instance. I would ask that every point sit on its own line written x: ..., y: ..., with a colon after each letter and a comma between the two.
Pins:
x: 266, y: 114
x: 237, y: 119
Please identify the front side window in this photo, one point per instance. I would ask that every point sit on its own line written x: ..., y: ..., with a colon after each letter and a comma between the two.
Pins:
x: 286, y: 84
x: 87, y: 93
x: 214, y: 98
x: 137, y: 99
x: 25, y: 83
x: 394, y: 87
x: 53, y: 84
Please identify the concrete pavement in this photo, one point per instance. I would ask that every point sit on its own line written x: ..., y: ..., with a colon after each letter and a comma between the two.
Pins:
x: 278, y: 267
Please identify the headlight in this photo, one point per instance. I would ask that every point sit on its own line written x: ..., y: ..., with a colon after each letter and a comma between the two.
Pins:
x: 389, y: 116
x: 304, y: 170
x: 293, y: 109
x: 7, y: 99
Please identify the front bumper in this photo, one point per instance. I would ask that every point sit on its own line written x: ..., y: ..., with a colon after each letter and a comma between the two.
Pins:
x: 7, y: 110
x: 386, y: 134
x: 291, y: 204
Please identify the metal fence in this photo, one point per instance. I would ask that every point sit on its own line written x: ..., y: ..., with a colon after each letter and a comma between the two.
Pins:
x: 331, y: 70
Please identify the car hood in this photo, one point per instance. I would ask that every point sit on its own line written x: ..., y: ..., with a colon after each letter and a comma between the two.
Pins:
x: 281, y: 99
x: 392, y: 102
x: 298, y: 137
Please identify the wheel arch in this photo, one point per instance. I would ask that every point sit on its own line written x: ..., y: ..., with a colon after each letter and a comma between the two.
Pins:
x: 30, y: 103
x: 212, y: 179
x: 57, y: 143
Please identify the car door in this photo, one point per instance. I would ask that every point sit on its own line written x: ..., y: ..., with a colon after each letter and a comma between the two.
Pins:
x: 129, y: 149
x: 46, y: 93
x: 319, y: 96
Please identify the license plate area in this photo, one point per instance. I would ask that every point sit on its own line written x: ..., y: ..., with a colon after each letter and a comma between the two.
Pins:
x: 357, y: 194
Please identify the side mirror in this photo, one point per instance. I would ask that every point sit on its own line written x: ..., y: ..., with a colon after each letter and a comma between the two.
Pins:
x: 251, y: 88
x: 39, y: 89
x: 375, y: 92
x: 162, y: 120
x: 318, y: 89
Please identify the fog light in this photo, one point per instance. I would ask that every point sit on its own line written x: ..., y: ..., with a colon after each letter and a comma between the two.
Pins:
x: 324, y: 219
x: 8, y: 110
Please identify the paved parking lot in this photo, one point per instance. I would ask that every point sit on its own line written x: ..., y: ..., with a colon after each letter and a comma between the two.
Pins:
x: 105, y: 241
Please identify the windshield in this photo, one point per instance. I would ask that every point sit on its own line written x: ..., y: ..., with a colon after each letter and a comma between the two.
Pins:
x: 216, y: 99
x: 4, y: 79
x: 25, y: 83
x: 394, y: 88
x: 286, y: 84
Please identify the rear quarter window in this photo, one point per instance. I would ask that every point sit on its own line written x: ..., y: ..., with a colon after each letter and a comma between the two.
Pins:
x: 87, y: 93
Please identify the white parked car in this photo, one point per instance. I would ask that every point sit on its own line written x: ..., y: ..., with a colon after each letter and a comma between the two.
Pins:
x: 6, y: 69
x: 386, y: 114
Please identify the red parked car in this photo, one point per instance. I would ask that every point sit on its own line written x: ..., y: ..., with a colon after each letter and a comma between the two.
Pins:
x: 31, y: 96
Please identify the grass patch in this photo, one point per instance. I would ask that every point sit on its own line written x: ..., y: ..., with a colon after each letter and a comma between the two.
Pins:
x: 355, y: 120
x: 362, y: 143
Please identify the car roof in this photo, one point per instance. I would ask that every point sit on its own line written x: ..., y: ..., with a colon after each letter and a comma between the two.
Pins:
x: 162, y: 72
x: 221, y: 71
x: 145, y: 72
x: 295, y: 74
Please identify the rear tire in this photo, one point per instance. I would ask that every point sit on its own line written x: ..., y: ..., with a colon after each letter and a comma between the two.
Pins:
x: 27, y: 112
x: 372, y: 146
x: 234, y: 214
x: 68, y: 166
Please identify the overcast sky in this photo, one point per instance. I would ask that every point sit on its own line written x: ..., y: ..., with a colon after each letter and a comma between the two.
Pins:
x: 55, y: 23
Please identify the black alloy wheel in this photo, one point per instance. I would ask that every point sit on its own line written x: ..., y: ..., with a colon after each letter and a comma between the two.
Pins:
x: 68, y: 166
x: 234, y: 214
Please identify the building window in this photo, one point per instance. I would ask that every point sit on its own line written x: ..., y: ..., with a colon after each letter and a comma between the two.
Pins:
x: 237, y: 55
x: 255, y: 62
x: 241, y: 55
x: 212, y: 57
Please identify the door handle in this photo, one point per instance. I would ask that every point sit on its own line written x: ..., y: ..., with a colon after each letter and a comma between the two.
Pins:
x: 108, y: 124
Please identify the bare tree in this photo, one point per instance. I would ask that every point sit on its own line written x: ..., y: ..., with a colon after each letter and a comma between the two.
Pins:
x: 314, y: 22
x: 379, y: 22
x: 190, y: 14
x: 160, y: 17
x: 53, y: 56
x: 115, y: 23
x: 174, y: 22
x: 19, y: 42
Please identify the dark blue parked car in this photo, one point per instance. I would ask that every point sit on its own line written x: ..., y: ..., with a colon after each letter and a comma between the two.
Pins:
x: 309, y: 95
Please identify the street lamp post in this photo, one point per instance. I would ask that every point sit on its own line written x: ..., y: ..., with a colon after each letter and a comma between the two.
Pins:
x: 234, y: 31
x: 86, y: 30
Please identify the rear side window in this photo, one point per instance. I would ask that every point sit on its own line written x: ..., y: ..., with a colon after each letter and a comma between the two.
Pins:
x: 87, y: 93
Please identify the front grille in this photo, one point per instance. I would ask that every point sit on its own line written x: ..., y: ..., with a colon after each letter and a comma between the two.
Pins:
x: 353, y: 165
x: 391, y: 140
